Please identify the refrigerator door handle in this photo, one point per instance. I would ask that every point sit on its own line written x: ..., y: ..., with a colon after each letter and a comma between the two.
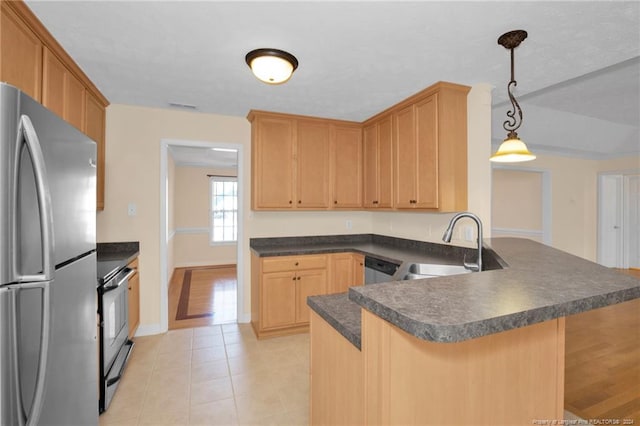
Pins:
x: 27, y: 130
x: 31, y: 418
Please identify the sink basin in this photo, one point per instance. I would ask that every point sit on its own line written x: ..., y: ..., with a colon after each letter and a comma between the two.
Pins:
x: 429, y: 270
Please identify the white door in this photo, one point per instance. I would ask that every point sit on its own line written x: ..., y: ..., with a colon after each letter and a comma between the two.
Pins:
x: 631, y: 230
x: 610, y: 221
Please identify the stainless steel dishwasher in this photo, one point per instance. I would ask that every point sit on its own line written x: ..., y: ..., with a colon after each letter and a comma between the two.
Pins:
x: 378, y: 271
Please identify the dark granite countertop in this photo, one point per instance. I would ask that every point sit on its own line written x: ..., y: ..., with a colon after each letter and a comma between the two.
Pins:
x: 114, y: 256
x: 538, y: 283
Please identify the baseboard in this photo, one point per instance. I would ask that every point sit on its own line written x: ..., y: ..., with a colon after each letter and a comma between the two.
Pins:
x: 244, y: 318
x: 149, y: 330
x: 200, y: 264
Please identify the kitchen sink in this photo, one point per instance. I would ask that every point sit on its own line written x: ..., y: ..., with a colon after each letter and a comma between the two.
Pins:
x: 429, y: 270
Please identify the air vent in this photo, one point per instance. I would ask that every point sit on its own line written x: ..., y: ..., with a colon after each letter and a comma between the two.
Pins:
x: 182, y: 106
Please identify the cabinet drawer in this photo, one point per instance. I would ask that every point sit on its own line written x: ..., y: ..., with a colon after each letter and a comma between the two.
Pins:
x: 133, y: 264
x: 293, y: 263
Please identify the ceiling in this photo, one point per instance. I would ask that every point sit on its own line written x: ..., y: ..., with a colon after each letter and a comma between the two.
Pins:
x: 186, y: 156
x: 578, y: 67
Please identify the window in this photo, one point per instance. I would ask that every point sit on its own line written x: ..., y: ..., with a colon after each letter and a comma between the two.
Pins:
x: 224, y: 209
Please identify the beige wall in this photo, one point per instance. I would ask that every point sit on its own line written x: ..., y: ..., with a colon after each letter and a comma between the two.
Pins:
x: 133, y: 136
x: 133, y: 171
x: 192, y: 199
x: 574, y: 199
x: 517, y: 203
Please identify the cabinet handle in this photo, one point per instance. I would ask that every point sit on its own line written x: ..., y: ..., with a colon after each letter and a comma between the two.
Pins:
x: 297, y: 263
x: 335, y: 202
x: 290, y: 202
x: 299, y: 278
x: 299, y: 201
x: 375, y: 202
x: 294, y: 278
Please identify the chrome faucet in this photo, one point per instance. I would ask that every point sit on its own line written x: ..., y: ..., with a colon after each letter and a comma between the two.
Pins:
x: 447, y: 238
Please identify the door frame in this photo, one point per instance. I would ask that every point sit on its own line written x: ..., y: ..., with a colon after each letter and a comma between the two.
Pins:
x: 546, y: 197
x: 164, y: 237
x: 623, y: 261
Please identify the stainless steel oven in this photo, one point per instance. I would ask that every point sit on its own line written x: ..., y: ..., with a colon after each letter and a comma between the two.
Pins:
x: 115, y: 345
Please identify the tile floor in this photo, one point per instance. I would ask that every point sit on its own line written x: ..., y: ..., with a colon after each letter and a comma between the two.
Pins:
x: 215, y: 375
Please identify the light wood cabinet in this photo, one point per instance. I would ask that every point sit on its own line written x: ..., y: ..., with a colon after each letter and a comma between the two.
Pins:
x: 312, y: 164
x: 134, y: 299
x: 430, y: 150
x: 347, y: 270
x: 32, y: 60
x: 94, y: 126
x: 416, y: 155
x: 62, y: 92
x: 295, y: 165
x: 20, y: 53
x: 279, y: 290
x: 378, y: 161
x: 346, y: 166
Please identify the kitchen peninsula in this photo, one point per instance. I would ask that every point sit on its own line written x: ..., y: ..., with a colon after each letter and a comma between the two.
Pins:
x: 481, y: 348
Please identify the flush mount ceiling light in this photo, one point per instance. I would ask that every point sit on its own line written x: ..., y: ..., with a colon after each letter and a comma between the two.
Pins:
x: 512, y: 149
x: 272, y: 66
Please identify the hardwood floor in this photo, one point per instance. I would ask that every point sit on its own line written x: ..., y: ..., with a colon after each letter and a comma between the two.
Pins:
x: 202, y: 296
x: 602, y: 362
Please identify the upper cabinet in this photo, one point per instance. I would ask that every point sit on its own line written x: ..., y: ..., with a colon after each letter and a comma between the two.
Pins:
x: 33, y: 61
x: 295, y: 162
x: 412, y: 156
x: 346, y: 166
x: 20, y: 53
x: 378, y: 162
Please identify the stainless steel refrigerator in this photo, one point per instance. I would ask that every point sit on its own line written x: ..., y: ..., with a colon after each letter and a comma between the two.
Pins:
x: 48, y: 346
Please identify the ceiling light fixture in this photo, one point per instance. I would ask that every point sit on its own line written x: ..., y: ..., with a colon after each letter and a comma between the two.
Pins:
x: 512, y: 149
x: 272, y: 66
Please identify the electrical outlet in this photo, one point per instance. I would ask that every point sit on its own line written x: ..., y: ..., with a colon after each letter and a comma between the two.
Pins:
x: 132, y: 210
x: 348, y: 224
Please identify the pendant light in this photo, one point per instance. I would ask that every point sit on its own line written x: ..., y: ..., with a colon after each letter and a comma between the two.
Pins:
x: 512, y: 149
x: 271, y: 66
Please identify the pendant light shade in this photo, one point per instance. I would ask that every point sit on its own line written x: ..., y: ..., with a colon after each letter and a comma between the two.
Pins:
x: 512, y: 149
x: 271, y: 66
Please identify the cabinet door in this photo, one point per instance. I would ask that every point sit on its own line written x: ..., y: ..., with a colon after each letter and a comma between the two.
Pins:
x: 405, y: 155
x: 309, y: 283
x: 342, y: 272
x: 312, y: 155
x: 370, y: 160
x: 358, y: 269
x: 94, y: 128
x: 62, y: 92
x: 272, y: 150
x: 134, y: 304
x: 346, y: 159
x: 385, y: 162
x: 427, y: 153
x: 20, y: 54
x: 278, y: 299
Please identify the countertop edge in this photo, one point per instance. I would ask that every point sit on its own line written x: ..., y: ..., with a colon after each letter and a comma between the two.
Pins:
x: 353, y: 338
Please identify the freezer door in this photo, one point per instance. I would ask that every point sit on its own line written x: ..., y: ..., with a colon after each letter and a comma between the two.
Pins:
x: 71, y: 378
x: 70, y: 162
x: 40, y: 155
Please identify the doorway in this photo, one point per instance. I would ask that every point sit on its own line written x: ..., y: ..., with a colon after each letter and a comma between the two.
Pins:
x: 191, y: 253
x: 521, y: 203
x: 619, y: 220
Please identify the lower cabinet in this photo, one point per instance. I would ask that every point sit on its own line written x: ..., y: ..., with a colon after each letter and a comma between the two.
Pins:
x: 134, y: 299
x: 347, y: 269
x: 279, y: 290
x: 280, y: 286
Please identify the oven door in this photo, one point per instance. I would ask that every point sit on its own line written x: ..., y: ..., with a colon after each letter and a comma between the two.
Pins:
x: 115, y: 310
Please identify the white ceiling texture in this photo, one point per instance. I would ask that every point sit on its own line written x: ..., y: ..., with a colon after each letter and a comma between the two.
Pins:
x: 578, y: 71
